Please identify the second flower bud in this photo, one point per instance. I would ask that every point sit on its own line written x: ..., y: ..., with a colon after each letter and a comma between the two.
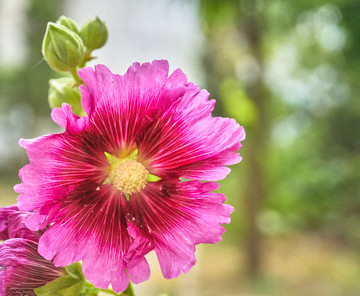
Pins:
x: 62, y: 49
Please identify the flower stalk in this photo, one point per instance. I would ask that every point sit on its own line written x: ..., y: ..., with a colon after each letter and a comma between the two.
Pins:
x: 76, y: 77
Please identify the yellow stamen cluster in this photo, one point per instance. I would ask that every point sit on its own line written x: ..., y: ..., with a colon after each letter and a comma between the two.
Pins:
x: 130, y: 177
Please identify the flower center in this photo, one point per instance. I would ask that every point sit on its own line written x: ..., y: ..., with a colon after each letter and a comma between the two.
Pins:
x: 130, y: 177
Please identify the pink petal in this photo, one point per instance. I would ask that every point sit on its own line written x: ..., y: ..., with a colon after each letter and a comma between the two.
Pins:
x: 97, y: 83
x: 37, y: 185
x: 65, y: 118
x: 12, y: 224
x: 193, y: 149
x: 92, y: 227
x: 141, y: 84
x: 23, y: 269
x: 178, y: 216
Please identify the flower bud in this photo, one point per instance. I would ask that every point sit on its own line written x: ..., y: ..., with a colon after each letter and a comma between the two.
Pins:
x: 22, y: 269
x: 62, y: 90
x: 12, y: 225
x: 62, y: 48
x: 68, y: 23
x: 94, y: 34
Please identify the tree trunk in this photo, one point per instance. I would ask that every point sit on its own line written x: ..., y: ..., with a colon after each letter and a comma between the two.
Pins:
x: 256, y: 144
x: 218, y: 68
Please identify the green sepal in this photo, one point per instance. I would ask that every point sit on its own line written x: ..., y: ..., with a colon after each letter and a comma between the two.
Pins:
x: 133, y: 155
x: 115, y: 161
x: 152, y: 178
x: 94, y: 33
x: 75, y: 270
x: 72, y: 283
x: 63, y: 90
x: 62, y: 48
x: 108, y: 156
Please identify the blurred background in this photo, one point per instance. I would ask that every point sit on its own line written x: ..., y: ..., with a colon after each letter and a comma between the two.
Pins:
x: 288, y: 71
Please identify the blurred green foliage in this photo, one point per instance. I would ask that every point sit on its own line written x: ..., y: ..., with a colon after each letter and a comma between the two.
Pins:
x: 317, y: 173
x: 310, y: 69
x: 311, y: 55
x: 308, y: 64
x: 24, y: 88
x: 28, y: 84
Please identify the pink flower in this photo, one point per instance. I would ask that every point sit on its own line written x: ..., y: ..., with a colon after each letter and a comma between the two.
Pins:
x: 110, y: 184
x: 12, y: 224
x: 22, y: 269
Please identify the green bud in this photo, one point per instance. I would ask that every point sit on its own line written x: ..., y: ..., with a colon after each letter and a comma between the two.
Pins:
x: 68, y: 23
x: 63, y: 90
x: 62, y: 48
x: 94, y: 34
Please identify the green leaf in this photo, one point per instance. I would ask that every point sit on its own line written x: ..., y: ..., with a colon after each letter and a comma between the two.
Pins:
x: 70, y: 284
x: 75, y: 270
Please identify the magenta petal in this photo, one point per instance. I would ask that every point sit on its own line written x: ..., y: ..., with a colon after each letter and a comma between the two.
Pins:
x: 177, y: 217
x: 139, y: 270
x: 12, y: 224
x: 38, y: 187
x: 142, y: 82
x: 92, y: 228
x: 175, y: 87
x: 117, y: 275
x: 23, y: 269
x: 97, y: 83
x: 145, y: 81
x: 195, y: 149
x: 57, y: 163
x: 4, y: 220
x: 137, y: 267
x: 65, y: 118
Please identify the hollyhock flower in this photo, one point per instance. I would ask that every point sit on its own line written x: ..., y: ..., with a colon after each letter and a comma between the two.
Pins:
x: 113, y: 184
x: 12, y: 224
x: 22, y: 269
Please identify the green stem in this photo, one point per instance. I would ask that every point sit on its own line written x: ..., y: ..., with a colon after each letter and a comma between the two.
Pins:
x: 87, y: 57
x: 76, y: 77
